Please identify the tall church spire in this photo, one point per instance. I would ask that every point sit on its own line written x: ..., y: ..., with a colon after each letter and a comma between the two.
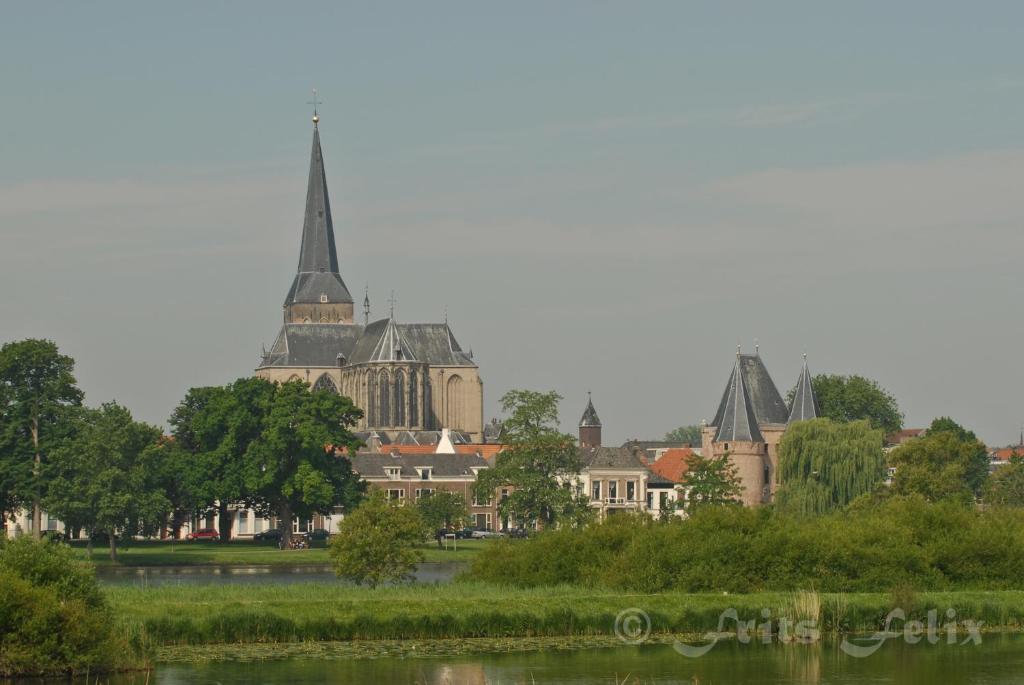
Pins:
x: 318, y: 293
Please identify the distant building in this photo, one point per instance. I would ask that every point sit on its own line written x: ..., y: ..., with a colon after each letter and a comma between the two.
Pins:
x: 751, y: 420
x: 404, y: 376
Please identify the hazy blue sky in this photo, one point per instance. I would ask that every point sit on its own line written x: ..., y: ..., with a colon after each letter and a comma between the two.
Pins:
x: 606, y: 197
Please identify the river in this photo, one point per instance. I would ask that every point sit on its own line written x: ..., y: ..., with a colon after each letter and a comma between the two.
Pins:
x: 152, y: 576
x: 998, y: 660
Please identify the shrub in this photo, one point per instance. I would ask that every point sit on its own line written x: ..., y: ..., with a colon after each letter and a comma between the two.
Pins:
x: 53, y: 618
x: 871, y: 546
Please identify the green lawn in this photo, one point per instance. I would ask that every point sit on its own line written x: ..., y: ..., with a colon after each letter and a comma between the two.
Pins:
x: 244, y: 552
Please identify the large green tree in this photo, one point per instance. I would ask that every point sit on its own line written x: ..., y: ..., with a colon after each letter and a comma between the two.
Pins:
x: 104, y: 480
x: 947, y: 462
x: 852, y: 398
x: 710, y: 482
x: 1006, y: 486
x: 688, y: 434
x: 537, y: 462
x: 37, y: 390
x: 217, y: 426
x: 442, y: 509
x: 825, y: 465
x: 376, y: 543
x: 292, y: 468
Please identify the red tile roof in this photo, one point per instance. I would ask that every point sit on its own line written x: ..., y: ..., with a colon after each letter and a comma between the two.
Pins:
x: 672, y: 464
x: 1005, y: 453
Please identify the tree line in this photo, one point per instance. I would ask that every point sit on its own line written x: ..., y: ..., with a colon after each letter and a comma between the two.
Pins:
x: 270, y: 447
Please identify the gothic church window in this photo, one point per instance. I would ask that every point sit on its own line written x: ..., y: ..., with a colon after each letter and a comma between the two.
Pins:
x: 371, y: 399
x: 455, y: 402
x: 400, y: 398
x: 384, y: 410
x: 325, y: 383
x: 414, y: 419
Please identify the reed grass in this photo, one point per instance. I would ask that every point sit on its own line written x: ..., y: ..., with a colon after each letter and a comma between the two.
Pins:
x: 239, y: 614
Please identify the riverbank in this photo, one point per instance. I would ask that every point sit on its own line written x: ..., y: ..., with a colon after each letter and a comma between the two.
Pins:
x: 248, y: 553
x: 208, y: 615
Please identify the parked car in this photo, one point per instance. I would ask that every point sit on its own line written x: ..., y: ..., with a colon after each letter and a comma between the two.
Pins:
x: 319, y: 534
x: 203, y: 534
x: 272, y: 535
x: 481, y: 534
x: 54, y: 536
x: 464, y: 533
x: 518, y: 533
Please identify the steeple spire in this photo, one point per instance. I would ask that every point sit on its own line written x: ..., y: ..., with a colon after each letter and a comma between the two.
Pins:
x: 318, y: 280
x: 590, y: 426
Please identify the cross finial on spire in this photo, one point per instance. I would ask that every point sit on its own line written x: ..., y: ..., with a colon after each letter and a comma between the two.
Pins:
x: 366, y: 305
x: 757, y: 347
x: 391, y: 302
x: 315, y: 102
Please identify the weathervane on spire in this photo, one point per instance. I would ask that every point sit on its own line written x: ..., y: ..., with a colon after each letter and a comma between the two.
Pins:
x: 315, y: 102
x: 392, y: 301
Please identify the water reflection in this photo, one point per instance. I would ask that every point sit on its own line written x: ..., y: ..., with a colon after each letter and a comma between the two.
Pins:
x: 999, y: 660
x: 150, y: 576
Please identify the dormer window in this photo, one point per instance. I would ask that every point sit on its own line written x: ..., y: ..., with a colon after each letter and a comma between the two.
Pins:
x: 424, y: 472
x: 393, y: 472
x: 323, y: 298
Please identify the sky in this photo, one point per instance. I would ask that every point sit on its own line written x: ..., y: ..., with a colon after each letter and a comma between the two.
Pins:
x: 605, y: 197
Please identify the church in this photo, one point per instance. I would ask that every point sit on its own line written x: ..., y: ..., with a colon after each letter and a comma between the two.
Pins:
x: 410, y: 379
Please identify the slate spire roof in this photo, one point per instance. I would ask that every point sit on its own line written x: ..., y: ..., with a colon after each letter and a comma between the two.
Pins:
x: 805, y: 404
x: 769, y: 407
x: 318, y: 272
x: 590, y: 417
x: 737, y: 422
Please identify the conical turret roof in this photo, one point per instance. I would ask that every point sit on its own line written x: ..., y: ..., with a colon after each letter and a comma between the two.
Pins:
x: 805, y: 404
x: 737, y: 421
x: 590, y: 417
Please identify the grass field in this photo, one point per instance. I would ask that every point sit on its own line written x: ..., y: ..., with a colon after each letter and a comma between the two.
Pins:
x: 245, y: 552
x: 199, y: 615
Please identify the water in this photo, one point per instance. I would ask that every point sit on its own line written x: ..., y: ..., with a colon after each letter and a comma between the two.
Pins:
x: 150, y: 576
x: 998, y: 660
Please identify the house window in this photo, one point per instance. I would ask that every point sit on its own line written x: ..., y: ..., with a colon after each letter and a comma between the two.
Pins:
x: 596, y: 490
x: 613, y: 489
x: 424, y: 473
x: 504, y: 494
x: 393, y: 472
x: 483, y: 522
x: 420, y: 492
x: 650, y: 500
x: 243, y: 522
x: 396, y: 495
x: 486, y: 502
x: 323, y: 298
x: 631, y: 490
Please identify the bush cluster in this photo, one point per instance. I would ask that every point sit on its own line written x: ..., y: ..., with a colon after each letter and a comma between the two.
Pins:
x: 868, y: 547
x: 53, y: 617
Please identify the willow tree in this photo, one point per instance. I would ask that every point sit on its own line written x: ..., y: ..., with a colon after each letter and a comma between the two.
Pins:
x: 824, y: 464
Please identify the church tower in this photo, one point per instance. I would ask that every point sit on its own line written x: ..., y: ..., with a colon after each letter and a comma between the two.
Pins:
x: 318, y: 294
x: 590, y: 426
